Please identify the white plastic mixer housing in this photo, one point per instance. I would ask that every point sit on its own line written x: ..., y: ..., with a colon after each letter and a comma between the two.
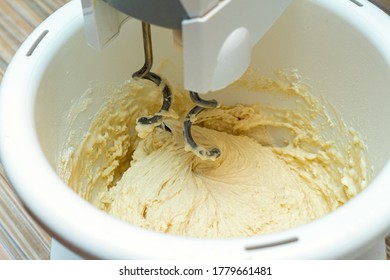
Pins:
x: 217, y: 38
x: 340, y: 47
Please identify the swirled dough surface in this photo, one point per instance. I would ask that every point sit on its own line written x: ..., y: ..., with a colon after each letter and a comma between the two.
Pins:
x: 276, y: 170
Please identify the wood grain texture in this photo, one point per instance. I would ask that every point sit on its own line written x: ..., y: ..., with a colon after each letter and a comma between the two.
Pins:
x: 383, y: 4
x: 20, y: 236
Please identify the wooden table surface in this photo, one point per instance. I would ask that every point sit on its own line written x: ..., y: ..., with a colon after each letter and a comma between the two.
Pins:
x: 20, y: 236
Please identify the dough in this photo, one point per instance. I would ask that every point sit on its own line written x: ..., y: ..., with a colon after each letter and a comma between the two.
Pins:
x: 276, y: 170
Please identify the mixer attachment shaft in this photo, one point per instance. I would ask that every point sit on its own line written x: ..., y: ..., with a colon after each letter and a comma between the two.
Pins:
x: 201, y: 104
x: 144, y: 73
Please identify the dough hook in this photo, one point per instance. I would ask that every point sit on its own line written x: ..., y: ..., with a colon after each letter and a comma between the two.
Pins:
x: 201, y: 104
x: 156, y: 120
x: 144, y: 73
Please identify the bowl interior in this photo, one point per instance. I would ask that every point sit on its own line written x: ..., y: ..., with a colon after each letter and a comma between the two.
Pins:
x: 333, y: 56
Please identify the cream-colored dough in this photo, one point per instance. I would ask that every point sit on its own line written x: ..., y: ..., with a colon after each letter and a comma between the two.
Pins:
x: 275, y: 172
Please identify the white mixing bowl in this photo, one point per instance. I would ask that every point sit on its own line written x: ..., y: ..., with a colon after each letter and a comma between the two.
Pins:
x: 341, y: 47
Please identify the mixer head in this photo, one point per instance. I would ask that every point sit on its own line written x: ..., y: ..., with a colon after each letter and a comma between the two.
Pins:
x: 216, y: 36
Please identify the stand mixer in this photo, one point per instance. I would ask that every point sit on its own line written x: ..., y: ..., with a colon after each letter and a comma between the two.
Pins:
x: 340, y: 47
x: 209, y: 64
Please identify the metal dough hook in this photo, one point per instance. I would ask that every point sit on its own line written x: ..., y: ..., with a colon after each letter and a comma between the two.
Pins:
x: 144, y: 73
x: 201, y: 104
